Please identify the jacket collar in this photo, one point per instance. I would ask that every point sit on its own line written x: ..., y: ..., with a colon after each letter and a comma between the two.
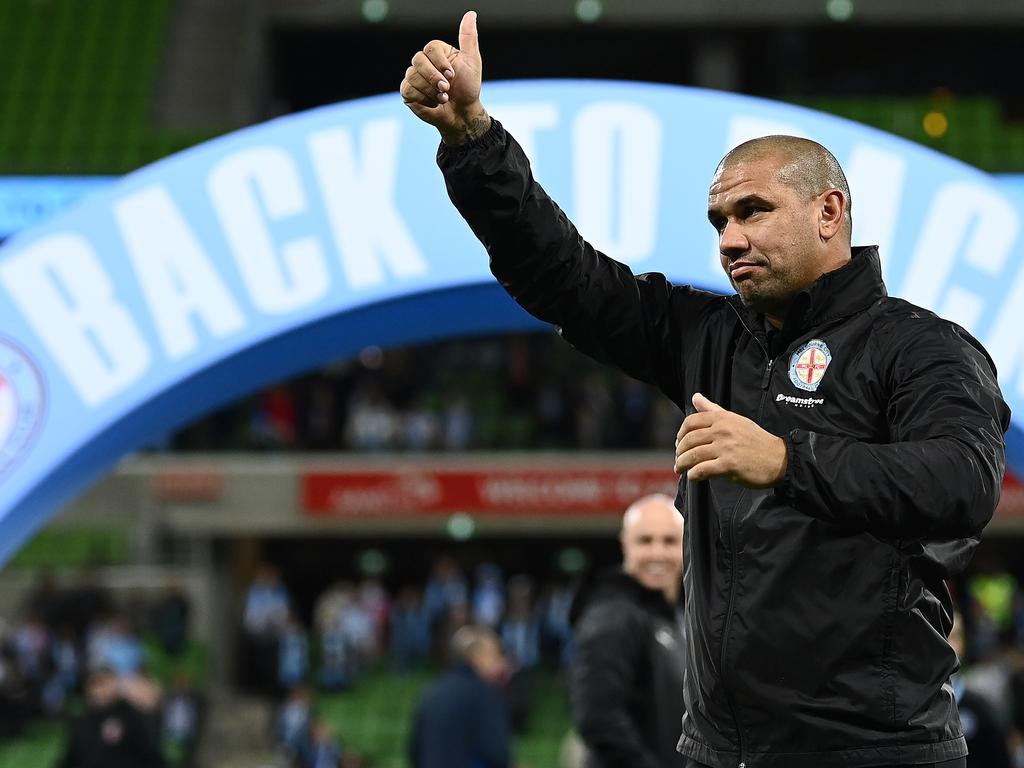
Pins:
x: 615, y: 581
x: 843, y: 292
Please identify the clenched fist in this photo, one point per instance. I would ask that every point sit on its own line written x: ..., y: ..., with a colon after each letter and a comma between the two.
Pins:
x: 442, y: 86
x: 715, y: 442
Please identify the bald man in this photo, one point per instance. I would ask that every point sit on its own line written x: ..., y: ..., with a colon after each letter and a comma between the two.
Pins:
x: 626, y: 676
x: 841, y: 454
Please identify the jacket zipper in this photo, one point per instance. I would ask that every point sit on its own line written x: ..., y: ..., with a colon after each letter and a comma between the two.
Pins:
x: 728, y: 623
x: 766, y: 381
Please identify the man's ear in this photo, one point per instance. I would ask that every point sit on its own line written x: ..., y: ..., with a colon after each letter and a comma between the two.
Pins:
x: 832, y: 214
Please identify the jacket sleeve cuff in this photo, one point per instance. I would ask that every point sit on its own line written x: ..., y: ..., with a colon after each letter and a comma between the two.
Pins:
x: 785, y: 490
x: 448, y: 154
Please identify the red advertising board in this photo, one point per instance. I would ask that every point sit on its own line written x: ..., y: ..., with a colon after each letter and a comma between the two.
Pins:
x: 480, y: 491
x: 564, y: 490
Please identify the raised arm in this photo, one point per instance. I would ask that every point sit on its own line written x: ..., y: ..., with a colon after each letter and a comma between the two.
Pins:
x: 638, y: 323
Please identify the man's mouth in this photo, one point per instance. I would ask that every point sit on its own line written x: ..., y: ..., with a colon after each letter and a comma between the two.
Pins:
x: 657, y: 570
x: 739, y: 270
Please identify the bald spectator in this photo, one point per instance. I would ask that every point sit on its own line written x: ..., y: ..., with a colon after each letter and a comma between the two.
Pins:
x: 626, y: 679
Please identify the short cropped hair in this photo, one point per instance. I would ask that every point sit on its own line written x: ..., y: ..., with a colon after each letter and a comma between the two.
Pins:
x: 806, y: 166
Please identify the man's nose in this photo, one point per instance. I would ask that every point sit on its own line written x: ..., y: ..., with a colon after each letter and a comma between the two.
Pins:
x: 732, y: 242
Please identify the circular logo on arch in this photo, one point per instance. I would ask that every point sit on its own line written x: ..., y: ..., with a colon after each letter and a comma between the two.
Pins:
x: 22, y: 402
x: 808, y: 365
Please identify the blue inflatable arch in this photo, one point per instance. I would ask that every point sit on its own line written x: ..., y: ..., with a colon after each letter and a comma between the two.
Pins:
x: 266, y: 252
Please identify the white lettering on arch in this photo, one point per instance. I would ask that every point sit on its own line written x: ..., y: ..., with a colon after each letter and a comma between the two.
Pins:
x: 61, y: 288
x: 617, y: 178
x: 176, y: 275
x: 969, y: 219
x: 359, y: 199
x: 247, y: 189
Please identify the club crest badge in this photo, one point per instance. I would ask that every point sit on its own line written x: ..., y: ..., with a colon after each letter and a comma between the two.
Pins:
x: 808, y: 365
x: 22, y: 403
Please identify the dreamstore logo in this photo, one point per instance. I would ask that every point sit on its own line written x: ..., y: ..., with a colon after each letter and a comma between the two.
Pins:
x: 22, y: 404
x: 800, y: 402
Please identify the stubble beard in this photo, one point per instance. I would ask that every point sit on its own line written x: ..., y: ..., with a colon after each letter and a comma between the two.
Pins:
x: 770, y: 296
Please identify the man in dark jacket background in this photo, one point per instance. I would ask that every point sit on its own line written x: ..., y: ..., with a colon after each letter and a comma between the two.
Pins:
x: 842, y: 453
x: 111, y: 733
x: 462, y: 720
x: 626, y: 676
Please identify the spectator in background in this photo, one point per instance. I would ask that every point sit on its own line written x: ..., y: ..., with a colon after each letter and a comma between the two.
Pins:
x: 32, y: 647
x: 319, y: 425
x: 112, y: 643
x: 552, y: 415
x: 358, y: 628
x: 626, y: 678
x: 170, y: 620
x: 421, y: 427
x: 65, y: 666
x: 520, y: 637
x: 445, y: 598
x: 986, y: 735
x: 337, y: 665
x: 323, y: 750
x: 593, y: 412
x: 373, y: 423
x: 267, y: 606
x: 488, y: 596
x: 635, y: 413
x: 409, y: 630
x: 180, y: 719
x: 15, y: 695
x: 461, y: 721
x: 520, y: 631
x: 273, y: 425
x: 111, y: 733
x: 993, y: 593
x: 45, y: 601
x: 556, y: 629
x: 376, y: 604
x: 87, y: 601
x: 457, y: 423
x: 292, y: 654
x: 292, y: 724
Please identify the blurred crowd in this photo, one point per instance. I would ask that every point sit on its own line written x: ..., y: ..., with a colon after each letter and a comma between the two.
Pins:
x: 74, y: 652
x: 126, y: 677
x: 990, y: 644
x: 510, y: 392
x: 357, y: 627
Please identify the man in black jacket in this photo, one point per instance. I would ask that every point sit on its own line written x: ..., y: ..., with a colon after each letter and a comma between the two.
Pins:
x: 626, y: 676
x: 842, y: 453
x: 111, y: 733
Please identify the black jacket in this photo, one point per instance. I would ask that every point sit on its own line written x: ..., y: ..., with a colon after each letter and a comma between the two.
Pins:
x: 626, y: 676
x: 461, y: 722
x: 114, y: 736
x: 817, y: 612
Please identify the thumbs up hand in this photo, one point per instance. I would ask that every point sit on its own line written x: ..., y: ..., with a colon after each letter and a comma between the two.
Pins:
x: 442, y: 86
